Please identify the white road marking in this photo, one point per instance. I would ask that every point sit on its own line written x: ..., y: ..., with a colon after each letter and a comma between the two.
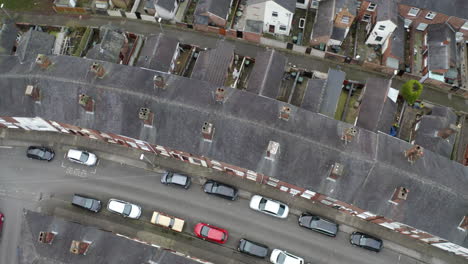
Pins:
x: 6, y: 147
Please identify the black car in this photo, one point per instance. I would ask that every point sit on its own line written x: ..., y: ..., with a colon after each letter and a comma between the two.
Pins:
x: 40, y: 153
x: 252, y: 248
x: 220, y: 189
x: 86, y: 203
x: 176, y: 179
x: 318, y: 224
x: 366, y: 241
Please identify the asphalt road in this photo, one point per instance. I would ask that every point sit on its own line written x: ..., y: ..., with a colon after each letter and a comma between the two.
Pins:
x: 48, y: 187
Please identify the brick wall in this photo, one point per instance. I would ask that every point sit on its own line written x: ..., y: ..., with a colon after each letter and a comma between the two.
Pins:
x: 340, y: 16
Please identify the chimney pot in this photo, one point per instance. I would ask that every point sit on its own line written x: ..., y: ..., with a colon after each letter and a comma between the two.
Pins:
x: 86, y: 102
x: 98, y: 69
x: 147, y: 116
x: 447, y: 132
x: 220, y: 95
x: 414, y: 153
x: 208, y: 131
x: 285, y: 112
x: 272, y: 150
x: 43, y: 61
x: 336, y: 171
x: 349, y: 134
x: 79, y: 247
x: 34, y: 92
x: 463, y: 224
x: 46, y: 237
x: 159, y: 82
x: 400, y: 194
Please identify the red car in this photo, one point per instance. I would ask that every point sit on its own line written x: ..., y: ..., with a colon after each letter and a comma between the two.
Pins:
x: 1, y: 221
x: 211, y: 233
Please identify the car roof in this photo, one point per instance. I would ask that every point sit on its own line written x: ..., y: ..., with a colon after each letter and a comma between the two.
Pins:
x: 73, y: 153
x: 116, y: 205
x: 272, y: 206
x: 215, y: 233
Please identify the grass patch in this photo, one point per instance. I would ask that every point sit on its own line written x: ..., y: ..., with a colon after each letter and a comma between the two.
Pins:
x: 341, y: 105
x: 83, y: 42
x: 28, y: 5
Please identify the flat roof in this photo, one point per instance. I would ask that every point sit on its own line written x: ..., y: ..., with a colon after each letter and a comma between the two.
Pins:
x: 374, y: 164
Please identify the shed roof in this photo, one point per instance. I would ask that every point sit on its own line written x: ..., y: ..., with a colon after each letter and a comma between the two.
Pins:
x: 157, y: 52
x: 8, y: 34
x: 267, y: 73
x: 212, y: 65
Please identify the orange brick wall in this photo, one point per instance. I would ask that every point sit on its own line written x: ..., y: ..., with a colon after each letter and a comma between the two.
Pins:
x: 340, y: 15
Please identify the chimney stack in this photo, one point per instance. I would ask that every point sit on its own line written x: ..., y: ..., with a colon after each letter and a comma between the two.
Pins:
x: 272, y: 150
x: 399, y: 195
x: 98, y: 69
x: 414, y: 153
x: 86, y: 102
x: 348, y: 134
x: 208, y: 131
x: 46, y: 237
x: 220, y: 95
x: 147, y: 116
x: 159, y: 82
x: 336, y: 172
x: 43, y: 61
x: 34, y: 92
x: 463, y: 224
x: 447, y: 132
x: 79, y: 247
x: 284, y: 113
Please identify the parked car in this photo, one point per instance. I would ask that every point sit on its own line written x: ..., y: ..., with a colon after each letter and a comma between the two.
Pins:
x: 40, y: 153
x: 252, y: 248
x: 82, y: 157
x: 167, y: 221
x: 123, y: 208
x: 176, y: 179
x: 211, y: 233
x: 279, y: 256
x: 366, y: 241
x: 220, y: 189
x: 269, y: 206
x: 318, y: 224
x: 87, y: 203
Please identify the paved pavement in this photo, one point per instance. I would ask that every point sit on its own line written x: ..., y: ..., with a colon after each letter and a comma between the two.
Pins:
x: 245, y: 48
x: 49, y: 186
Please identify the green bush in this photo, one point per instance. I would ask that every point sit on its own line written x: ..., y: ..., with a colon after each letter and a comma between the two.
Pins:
x: 411, y: 91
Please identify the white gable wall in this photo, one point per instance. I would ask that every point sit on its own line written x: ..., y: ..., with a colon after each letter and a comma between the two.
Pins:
x: 373, y: 38
x: 164, y: 13
x: 284, y: 18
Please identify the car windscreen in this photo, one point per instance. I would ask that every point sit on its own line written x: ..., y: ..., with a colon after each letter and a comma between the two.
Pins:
x: 281, y: 258
x: 127, y: 210
x: 262, y: 204
x: 88, y: 203
x: 281, y: 209
x: 84, y: 157
x: 204, y: 231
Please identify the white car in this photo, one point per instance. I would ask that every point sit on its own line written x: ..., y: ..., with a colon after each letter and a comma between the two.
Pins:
x: 123, y: 208
x: 82, y: 157
x: 269, y: 206
x: 279, y: 256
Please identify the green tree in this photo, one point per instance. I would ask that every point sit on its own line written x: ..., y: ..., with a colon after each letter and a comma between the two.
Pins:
x: 411, y: 91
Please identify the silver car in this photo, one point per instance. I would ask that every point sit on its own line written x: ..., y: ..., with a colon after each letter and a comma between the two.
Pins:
x: 269, y: 206
x: 82, y: 157
x: 124, y: 209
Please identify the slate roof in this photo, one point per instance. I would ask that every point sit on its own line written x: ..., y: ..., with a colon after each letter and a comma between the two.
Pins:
x: 169, y: 5
x: 346, y: 4
x: 398, y: 39
x: 212, y: 65
x: 310, y: 143
x: 338, y: 33
x: 289, y: 5
x: 157, y: 52
x: 386, y: 10
x: 219, y: 8
x: 455, y: 8
x: 8, y: 34
x: 313, y: 95
x: 106, y: 247
x: 331, y: 93
x: 109, y: 47
x: 441, y: 56
x: 376, y: 111
x: 267, y: 73
x: 34, y: 42
x: 426, y: 136
x: 323, y: 25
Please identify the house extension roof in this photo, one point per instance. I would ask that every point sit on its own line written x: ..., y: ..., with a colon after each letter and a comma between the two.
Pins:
x: 331, y: 93
x: 456, y: 8
x: 290, y: 5
x: 376, y: 110
x: 313, y: 95
x: 169, y: 5
x: 212, y: 65
x: 426, y: 135
x: 109, y: 48
x: 8, y: 34
x: 386, y: 10
x: 323, y: 25
x: 219, y: 8
x: 34, y: 42
x: 245, y: 123
x: 106, y: 247
x: 267, y: 73
x: 157, y: 52
x: 441, y: 47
